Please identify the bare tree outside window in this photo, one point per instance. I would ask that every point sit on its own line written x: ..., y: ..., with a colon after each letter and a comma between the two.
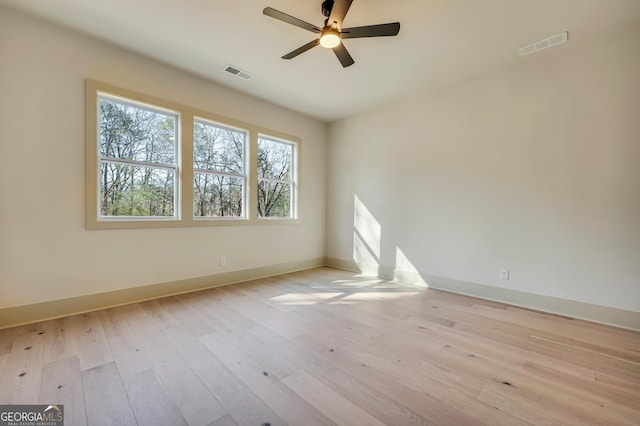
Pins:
x: 219, y: 170
x: 276, y: 182
x: 137, y: 153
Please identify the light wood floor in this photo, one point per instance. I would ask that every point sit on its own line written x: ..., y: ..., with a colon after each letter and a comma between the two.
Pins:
x: 324, y: 347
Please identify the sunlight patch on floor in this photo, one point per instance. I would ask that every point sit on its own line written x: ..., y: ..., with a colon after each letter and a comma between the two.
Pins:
x: 304, y: 298
x: 376, y: 295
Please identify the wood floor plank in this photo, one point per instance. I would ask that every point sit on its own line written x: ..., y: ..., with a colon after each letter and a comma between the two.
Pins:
x: 452, y: 393
x: 252, y: 347
x: 7, y: 336
x: 214, y: 301
x: 186, y: 315
x: 623, y: 341
x: 58, y: 344
x: 106, y: 400
x: 224, y: 421
x: 23, y: 368
x: 151, y: 403
x: 366, y: 397
x: 265, y: 291
x: 415, y: 365
x: 484, y: 363
x: 540, y: 406
x: 89, y: 339
x: 337, y: 408
x: 324, y: 346
x: 194, y: 400
x: 62, y: 385
x: 261, y: 313
x: 286, y: 404
x: 390, y: 398
x: 424, y: 404
x: 338, y: 319
x: 543, y: 384
x: 380, y: 325
x: 598, y: 361
x: 149, y: 399
x: 162, y: 317
x: 605, y: 393
x: 118, y: 333
x: 237, y: 399
x: 3, y: 361
x: 622, y: 382
x: 479, y: 342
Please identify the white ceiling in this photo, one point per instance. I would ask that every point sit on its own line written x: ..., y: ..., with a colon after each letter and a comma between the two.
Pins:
x: 440, y: 41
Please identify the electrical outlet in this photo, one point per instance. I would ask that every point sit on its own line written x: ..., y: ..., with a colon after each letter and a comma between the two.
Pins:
x: 223, y: 260
x: 504, y: 274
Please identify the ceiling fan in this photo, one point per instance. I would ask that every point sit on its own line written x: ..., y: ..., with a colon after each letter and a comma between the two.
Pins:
x: 332, y: 33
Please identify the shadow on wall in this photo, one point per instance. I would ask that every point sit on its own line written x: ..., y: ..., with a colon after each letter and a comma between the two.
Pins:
x: 367, y: 243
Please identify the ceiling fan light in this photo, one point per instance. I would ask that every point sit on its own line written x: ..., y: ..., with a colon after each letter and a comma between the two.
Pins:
x: 330, y: 38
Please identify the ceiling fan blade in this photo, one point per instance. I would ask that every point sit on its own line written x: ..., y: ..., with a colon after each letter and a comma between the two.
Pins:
x: 301, y: 49
x: 339, y: 11
x: 281, y: 16
x: 343, y: 55
x: 381, y: 30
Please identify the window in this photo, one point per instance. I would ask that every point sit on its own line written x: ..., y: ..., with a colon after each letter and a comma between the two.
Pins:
x: 153, y: 163
x: 137, y: 155
x: 276, y: 178
x: 218, y: 170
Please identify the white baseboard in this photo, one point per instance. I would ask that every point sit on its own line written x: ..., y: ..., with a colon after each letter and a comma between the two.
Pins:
x: 19, y: 315
x: 570, y: 308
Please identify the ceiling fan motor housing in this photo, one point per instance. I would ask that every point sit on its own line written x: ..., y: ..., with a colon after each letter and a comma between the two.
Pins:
x: 327, y: 6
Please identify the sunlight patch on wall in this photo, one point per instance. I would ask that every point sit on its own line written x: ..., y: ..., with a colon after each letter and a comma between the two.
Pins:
x: 366, y: 239
x: 367, y: 263
x: 405, y: 271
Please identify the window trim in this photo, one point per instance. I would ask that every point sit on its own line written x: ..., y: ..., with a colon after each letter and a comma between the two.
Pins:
x: 184, y: 202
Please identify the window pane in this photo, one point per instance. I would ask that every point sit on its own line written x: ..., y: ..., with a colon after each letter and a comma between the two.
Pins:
x: 274, y: 199
x: 137, y: 134
x: 127, y: 190
x: 274, y: 159
x: 218, y: 148
x: 217, y: 196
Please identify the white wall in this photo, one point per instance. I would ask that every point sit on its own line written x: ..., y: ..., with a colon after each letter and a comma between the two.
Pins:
x: 45, y: 251
x: 535, y: 168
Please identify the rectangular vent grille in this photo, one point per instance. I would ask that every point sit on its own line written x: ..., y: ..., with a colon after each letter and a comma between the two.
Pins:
x: 238, y: 72
x: 544, y: 44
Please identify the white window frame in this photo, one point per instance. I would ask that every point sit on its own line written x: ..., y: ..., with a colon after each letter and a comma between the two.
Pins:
x: 292, y: 181
x: 175, y: 167
x: 213, y: 172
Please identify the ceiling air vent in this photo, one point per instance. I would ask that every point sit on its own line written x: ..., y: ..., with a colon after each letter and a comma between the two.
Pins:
x: 238, y: 72
x: 544, y: 44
